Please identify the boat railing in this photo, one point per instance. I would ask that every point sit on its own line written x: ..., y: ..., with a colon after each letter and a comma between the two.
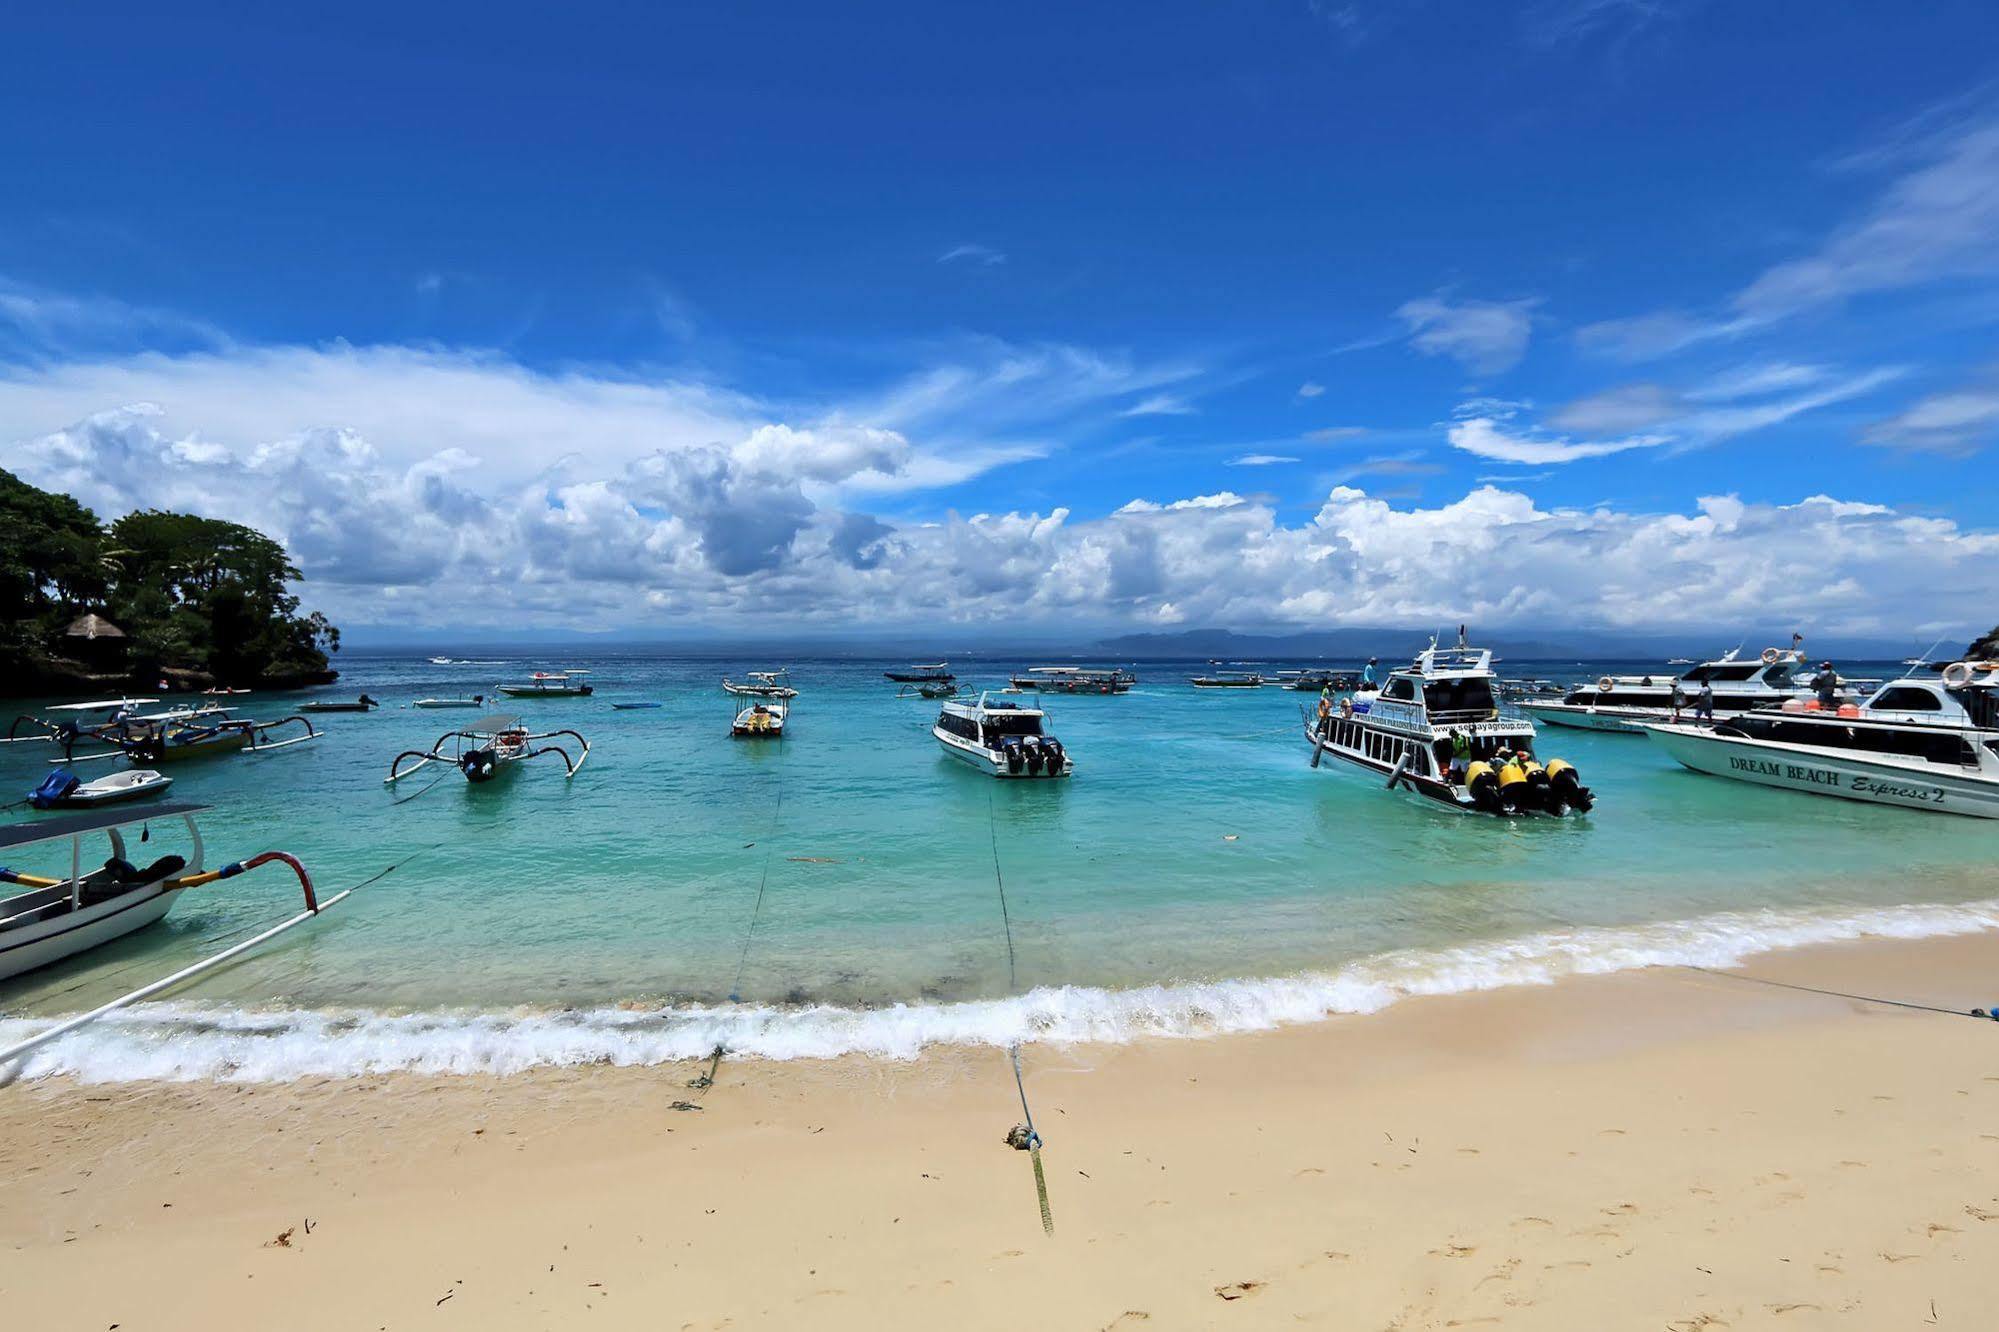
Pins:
x: 1462, y: 716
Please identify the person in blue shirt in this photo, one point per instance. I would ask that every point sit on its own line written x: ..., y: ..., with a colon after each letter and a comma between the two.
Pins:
x: 1367, y: 673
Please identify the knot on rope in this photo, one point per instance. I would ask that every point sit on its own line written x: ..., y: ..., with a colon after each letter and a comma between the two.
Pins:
x: 1022, y: 1138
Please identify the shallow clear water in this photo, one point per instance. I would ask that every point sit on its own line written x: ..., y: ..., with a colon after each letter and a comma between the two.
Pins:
x: 1192, y: 845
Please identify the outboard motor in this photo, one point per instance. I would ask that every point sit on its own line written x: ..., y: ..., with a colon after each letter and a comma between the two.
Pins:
x: 1483, y: 785
x: 1565, y: 789
x: 1513, y: 793
x: 478, y: 765
x: 54, y: 787
x: 1054, y: 748
x: 1033, y: 747
x: 1540, y: 792
x: 1015, y: 760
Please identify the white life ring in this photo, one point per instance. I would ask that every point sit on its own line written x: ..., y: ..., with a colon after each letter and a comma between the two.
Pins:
x: 1957, y: 674
x: 1772, y: 655
x: 1605, y: 685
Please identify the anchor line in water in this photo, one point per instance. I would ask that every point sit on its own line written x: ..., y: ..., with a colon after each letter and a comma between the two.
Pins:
x: 763, y: 882
x: 1026, y: 1135
x: 1981, y: 1014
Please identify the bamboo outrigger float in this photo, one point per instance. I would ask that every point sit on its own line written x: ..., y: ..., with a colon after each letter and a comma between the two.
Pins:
x: 488, y: 748
x: 170, y: 737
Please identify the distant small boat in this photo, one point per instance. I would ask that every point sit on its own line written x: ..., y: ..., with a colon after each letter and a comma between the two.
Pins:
x: 440, y: 661
x: 489, y: 748
x: 361, y: 704
x: 936, y: 671
x: 760, y: 721
x: 63, y: 789
x: 476, y: 701
x: 761, y: 684
x: 550, y: 684
x: 1227, y: 680
x: 223, y: 693
x: 632, y: 707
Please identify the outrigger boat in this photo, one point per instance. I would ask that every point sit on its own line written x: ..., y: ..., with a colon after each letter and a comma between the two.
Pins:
x: 761, y: 721
x: 63, y: 789
x: 550, y: 684
x: 488, y: 748
x: 60, y: 917
x: 361, y: 704
x: 1318, y: 679
x: 1918, y: 743
x: 761, y: 684
x: 928, y: 689
x: 1626, y: 703
x: 923, y: 673
x: 1227, y: 680
x: 1434, y: 728
x: 1075, y: 680
x: 1001, y: 738
x: 171, y: 737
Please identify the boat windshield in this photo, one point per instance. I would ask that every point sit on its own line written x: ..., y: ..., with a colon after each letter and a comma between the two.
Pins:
x: 1012, y: 723
x: 1724, y: 671
x: 1981, y: 704
x: 1459, y: 700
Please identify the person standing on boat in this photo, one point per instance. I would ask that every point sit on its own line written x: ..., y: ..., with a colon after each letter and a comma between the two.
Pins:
x: 1679, y: 698
x: 1704, y: 703
x: 1826, y: 682
x: 1367, y: 674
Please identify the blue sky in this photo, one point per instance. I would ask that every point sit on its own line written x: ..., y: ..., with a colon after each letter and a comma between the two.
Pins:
x: 1608, y: 312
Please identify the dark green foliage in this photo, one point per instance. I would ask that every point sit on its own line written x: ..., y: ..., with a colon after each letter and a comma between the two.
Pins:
x: 190, y: 593
x: 1986, y: 648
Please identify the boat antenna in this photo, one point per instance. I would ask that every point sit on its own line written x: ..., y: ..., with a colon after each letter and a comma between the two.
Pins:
x: 1921, y: 660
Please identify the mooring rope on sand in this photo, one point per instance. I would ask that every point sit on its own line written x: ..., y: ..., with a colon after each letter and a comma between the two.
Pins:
x: 1981, y: 1014
x: 1024, y: 1135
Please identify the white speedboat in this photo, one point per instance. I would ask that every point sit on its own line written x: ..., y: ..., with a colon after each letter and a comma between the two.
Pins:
x: 475, y: 701
x: 63, y: 789
x: 1434, y: 729
x: 58, y: 916
x: 1919, y: 743
x: 1001, y: 738
x: 1626, y: 703
x: 762, y: 720
x: 760, y: 684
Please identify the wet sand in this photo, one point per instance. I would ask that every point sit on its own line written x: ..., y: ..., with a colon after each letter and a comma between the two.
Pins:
x: 1659, y: 1149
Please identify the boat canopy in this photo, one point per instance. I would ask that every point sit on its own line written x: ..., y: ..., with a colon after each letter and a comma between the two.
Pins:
x: 75, y: 825
x: 493, y: 723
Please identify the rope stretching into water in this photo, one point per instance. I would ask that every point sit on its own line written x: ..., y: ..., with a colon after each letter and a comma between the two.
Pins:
x: 756, y: 912
x: 1033, y: 1137
x: 1978, y: 1013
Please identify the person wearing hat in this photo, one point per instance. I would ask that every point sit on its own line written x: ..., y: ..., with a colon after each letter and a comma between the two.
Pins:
x: 1826, y: 682
x: 1367, y: 673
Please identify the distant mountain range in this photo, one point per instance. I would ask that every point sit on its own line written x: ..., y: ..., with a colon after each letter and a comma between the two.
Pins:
x: 1336, y: 645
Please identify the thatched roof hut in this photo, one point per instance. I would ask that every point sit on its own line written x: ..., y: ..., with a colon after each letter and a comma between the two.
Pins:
x: 92, y: 627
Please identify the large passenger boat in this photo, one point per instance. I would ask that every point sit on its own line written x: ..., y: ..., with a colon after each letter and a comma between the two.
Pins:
x: 1001, y: 738
x: 1434, y: 728
x: 1627, y: 702
x: 1075, y: 680
x: 1922, y: 743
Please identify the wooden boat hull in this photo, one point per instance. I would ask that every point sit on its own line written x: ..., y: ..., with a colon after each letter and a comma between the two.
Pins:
x: 1837, y: 773
x: 27, y: 947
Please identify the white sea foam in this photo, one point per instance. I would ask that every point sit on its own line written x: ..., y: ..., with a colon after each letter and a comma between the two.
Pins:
x: 188, y: 1041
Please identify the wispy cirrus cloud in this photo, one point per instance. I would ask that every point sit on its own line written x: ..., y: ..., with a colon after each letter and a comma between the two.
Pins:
x: 1486, y: 337
x: 1261, y: 460
x: 1956, y: 423
x: 972, y: 253
x: 1734, y: 402
x: 1160, y: 404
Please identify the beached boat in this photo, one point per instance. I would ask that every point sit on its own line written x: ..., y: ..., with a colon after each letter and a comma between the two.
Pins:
x: 1918, y: 743
x: 939, y: 671
x: 1074, y: 680
x: 1001, y: 738
x: 487, y: 749
x: 550, y: 684
x: 361, y: 704
x: 763, y: 720
x: 63, y: 789
x: 58, y: 917
x: 475, y: 701
x: 761, y: 684
x: 1434, y: 729
x: 1625, y: 703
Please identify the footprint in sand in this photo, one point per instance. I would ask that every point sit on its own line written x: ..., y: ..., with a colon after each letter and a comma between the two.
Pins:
x: 1887, y: 1257
x: 1235, y: 1290
x: 1129, y: 1318
x: 1977, y: 1215
x: 1793, y: 1308
x: 1454, y: 1251
x: 1939, y: 1228
x: 1533, y: 1221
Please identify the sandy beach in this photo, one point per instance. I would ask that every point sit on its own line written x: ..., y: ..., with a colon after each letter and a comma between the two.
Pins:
x: 1666, y: 1148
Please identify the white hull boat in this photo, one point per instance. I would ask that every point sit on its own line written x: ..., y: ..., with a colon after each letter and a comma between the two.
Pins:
x: 1001, y: 739
x: 1626, y: 704
x: 1916, y: 743
x: 130, y: 785
x: 760, y: 721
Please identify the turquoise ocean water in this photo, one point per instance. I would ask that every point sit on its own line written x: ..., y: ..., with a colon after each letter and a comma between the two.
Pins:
x: 1194, y: 875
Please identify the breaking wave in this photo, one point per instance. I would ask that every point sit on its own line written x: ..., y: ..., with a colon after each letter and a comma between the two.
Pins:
x: 188, y: 1041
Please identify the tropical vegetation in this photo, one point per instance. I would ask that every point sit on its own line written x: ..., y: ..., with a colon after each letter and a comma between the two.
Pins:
x: 171, y: 595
